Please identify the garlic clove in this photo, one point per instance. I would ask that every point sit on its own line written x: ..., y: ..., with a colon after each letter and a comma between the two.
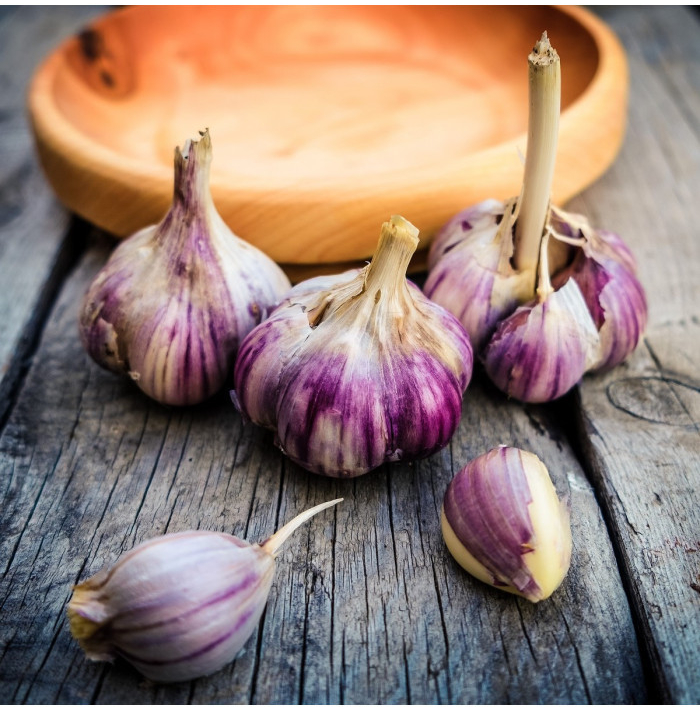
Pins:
x: 617, y: 304
x: 470, y: 273
x: 358, y: 370
x: 179, y: 606
x: 174, y: 301
x: 543, y: 349
x: 502, y: 522
x: 604, y: 269
x: 161, y: 607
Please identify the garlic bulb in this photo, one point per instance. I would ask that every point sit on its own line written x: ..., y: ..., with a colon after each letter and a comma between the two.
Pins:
x: 485, y: 267
x: 174, y: 301
x: 503, y: 523
x: 358, y: 369
x: 179, y: 606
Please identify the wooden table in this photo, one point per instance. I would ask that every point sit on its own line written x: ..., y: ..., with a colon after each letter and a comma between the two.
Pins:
x: 367, y: 606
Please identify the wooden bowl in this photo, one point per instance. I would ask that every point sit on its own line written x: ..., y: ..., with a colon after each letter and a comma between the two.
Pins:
x: 325, y: 120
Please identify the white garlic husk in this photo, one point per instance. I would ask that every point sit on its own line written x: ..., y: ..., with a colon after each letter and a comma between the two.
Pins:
x: 359, y: 369
x: 173, y: 303
x: 180, y: 606
x: 503, y: 522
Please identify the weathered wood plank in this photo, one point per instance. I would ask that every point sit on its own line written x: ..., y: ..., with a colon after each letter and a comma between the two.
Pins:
x: 34, y: 253
x: 367, y: 605
x: 640, y: 425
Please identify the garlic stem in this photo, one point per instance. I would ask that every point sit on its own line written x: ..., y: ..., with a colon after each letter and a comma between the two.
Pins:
x: 543, y: 128
x: 192, y: 166
x: 544, y: 283
x: 397, y: 244
x: 273, y: 544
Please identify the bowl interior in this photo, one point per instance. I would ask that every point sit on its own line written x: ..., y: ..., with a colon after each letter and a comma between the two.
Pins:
x: 305, y: 96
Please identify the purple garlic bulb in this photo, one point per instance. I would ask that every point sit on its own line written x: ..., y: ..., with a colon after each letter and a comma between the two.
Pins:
x: 173, y: 303
x: 355, y: 370
x: 503, y: 523
x: 493, y: 267
x: 180, y: 606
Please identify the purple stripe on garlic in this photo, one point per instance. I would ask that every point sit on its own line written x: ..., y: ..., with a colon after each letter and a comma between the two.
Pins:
x: 502, y: 522
x: 179, y: 606
x: 174, y: 301
x: 358, y: 369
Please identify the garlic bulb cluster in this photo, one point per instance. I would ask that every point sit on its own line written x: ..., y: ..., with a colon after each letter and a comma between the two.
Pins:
x: 544, y: 297
x: 174, y: 301
x: 358, y: 369
x: 503, y: 523
x: 180, y: 606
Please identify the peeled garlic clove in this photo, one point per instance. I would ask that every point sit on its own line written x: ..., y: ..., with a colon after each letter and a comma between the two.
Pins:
x: 179, y: 606
x: 470, y: 273
x: 357, y: 370
x: 543, y: 349
x: 174, y: 301
x: 503, y: 523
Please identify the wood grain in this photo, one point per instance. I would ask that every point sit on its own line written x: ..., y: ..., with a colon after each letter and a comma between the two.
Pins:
x: 33, y: 252
x: 640, y: 425
x: 367, y: 605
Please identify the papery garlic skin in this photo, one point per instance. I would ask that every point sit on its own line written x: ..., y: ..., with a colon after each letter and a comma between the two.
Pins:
x: 175, y: 300
x: 469, y: 270
x: 176, y: 607
x: 502, y: 522
x: 358, y: 369
x: 180, y: 606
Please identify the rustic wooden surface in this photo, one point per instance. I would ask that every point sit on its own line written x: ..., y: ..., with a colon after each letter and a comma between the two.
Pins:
x: 367, y: 605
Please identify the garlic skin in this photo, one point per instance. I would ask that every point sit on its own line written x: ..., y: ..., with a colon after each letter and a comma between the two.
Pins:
x: 174, y: 301
x: 502, y: 522
x: 358, y: 369
x: 180, y: 606
x: 469, y: 269
x: 543, y: 349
